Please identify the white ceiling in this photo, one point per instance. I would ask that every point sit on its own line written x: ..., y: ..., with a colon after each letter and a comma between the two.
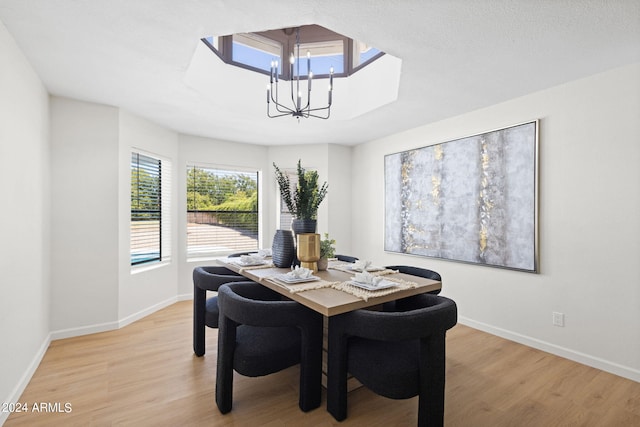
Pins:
x: 457, y: 55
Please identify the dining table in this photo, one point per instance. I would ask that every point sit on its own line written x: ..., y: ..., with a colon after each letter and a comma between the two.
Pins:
x: 333, y: 290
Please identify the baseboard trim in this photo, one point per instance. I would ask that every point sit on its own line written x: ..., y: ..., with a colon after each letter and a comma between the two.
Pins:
x: 83, y: 330
x: 185, y: 297
x: 147, y: 311
x: 576, y: 356
x: 26, y: 377
x: 110, y: 326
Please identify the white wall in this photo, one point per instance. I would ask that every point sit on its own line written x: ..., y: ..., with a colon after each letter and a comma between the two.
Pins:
x: 589, y: 227
x: 24, y: 220
x: 94, y: 287
x: 84, y: 250
x: 145, y: 289
x: 339, y: 198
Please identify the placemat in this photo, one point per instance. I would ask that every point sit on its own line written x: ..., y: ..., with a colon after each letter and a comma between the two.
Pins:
x: 366, y: 294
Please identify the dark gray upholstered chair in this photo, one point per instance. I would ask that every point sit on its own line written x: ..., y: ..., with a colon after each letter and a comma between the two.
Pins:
x: 259, y: 336
x: 417, y: 271
x: 346, y: 258
x: 397, y: 354
x: 205, y: 311
x: 414, y: 271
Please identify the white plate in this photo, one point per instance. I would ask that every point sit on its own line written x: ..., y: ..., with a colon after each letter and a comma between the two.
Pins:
x: 383, y: 284
x: 289, y: 279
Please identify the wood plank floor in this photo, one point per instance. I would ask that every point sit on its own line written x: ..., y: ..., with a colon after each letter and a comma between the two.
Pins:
x: 146, y: 375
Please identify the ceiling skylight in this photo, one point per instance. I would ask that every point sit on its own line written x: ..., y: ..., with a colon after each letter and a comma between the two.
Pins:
x: 231, y: 71
x: 326, y: 48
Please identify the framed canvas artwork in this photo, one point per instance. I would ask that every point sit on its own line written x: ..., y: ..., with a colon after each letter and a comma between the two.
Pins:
x: 472, y: 199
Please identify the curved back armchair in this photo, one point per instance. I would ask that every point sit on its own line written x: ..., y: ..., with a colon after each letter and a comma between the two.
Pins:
x: 205, y: 311
x: 414, y: 271
x: 397, y: 354
x: 258, y: 336
x: 417, y: 271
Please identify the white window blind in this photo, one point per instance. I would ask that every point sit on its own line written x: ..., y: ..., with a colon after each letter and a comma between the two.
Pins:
x: 222, y: 211
x: 150, y: 209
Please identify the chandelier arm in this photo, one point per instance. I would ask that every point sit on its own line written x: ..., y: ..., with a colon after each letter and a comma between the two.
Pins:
x: 286, y: 112
x: 281, y: 108
x: 297, y: 110
x: 308, y: 106
x: 293, y: 94
x: 320, y: 117
x: 297, y: 48
x: 328, y: 107
x: 275, y: 101
x: 276, y: 115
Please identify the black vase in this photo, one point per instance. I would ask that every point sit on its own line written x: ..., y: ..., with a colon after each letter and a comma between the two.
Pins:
x: 282, y: 250
x: 300, y: 226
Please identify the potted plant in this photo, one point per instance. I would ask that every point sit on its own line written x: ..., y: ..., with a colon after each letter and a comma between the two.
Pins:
x: 302, y: 201
x: 327, y: 250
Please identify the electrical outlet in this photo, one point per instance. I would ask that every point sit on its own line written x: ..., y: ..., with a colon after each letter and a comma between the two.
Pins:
x: 558, y: 319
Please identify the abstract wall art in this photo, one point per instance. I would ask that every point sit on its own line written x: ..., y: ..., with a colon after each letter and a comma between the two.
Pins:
x: 472, y: 199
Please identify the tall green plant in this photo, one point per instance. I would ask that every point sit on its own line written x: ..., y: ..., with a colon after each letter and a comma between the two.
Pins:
x: 303, y: 202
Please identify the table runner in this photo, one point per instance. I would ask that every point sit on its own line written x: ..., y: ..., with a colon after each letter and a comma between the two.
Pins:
x: 365, y: 294
x: 347, y: 287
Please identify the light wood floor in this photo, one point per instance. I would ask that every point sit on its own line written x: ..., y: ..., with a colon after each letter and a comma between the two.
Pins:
x: 146, y: 375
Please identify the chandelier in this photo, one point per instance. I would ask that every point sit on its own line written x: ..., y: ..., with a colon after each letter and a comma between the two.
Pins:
x: 297, y: 108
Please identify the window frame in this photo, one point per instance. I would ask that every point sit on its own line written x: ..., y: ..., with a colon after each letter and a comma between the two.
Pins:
x: 224, y: 51
x: 193, y: 253
x: 138, y: 239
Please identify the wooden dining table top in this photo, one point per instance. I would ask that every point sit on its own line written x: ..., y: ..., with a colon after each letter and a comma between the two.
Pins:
x: 329, y: 301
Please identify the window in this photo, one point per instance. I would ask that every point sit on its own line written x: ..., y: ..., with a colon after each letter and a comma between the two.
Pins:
x: 146, y: 209
x: 325, y: 55
x: 327, y: 49
x: 222, y: 211
x: 363, y: 53
x: 255, y: 51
